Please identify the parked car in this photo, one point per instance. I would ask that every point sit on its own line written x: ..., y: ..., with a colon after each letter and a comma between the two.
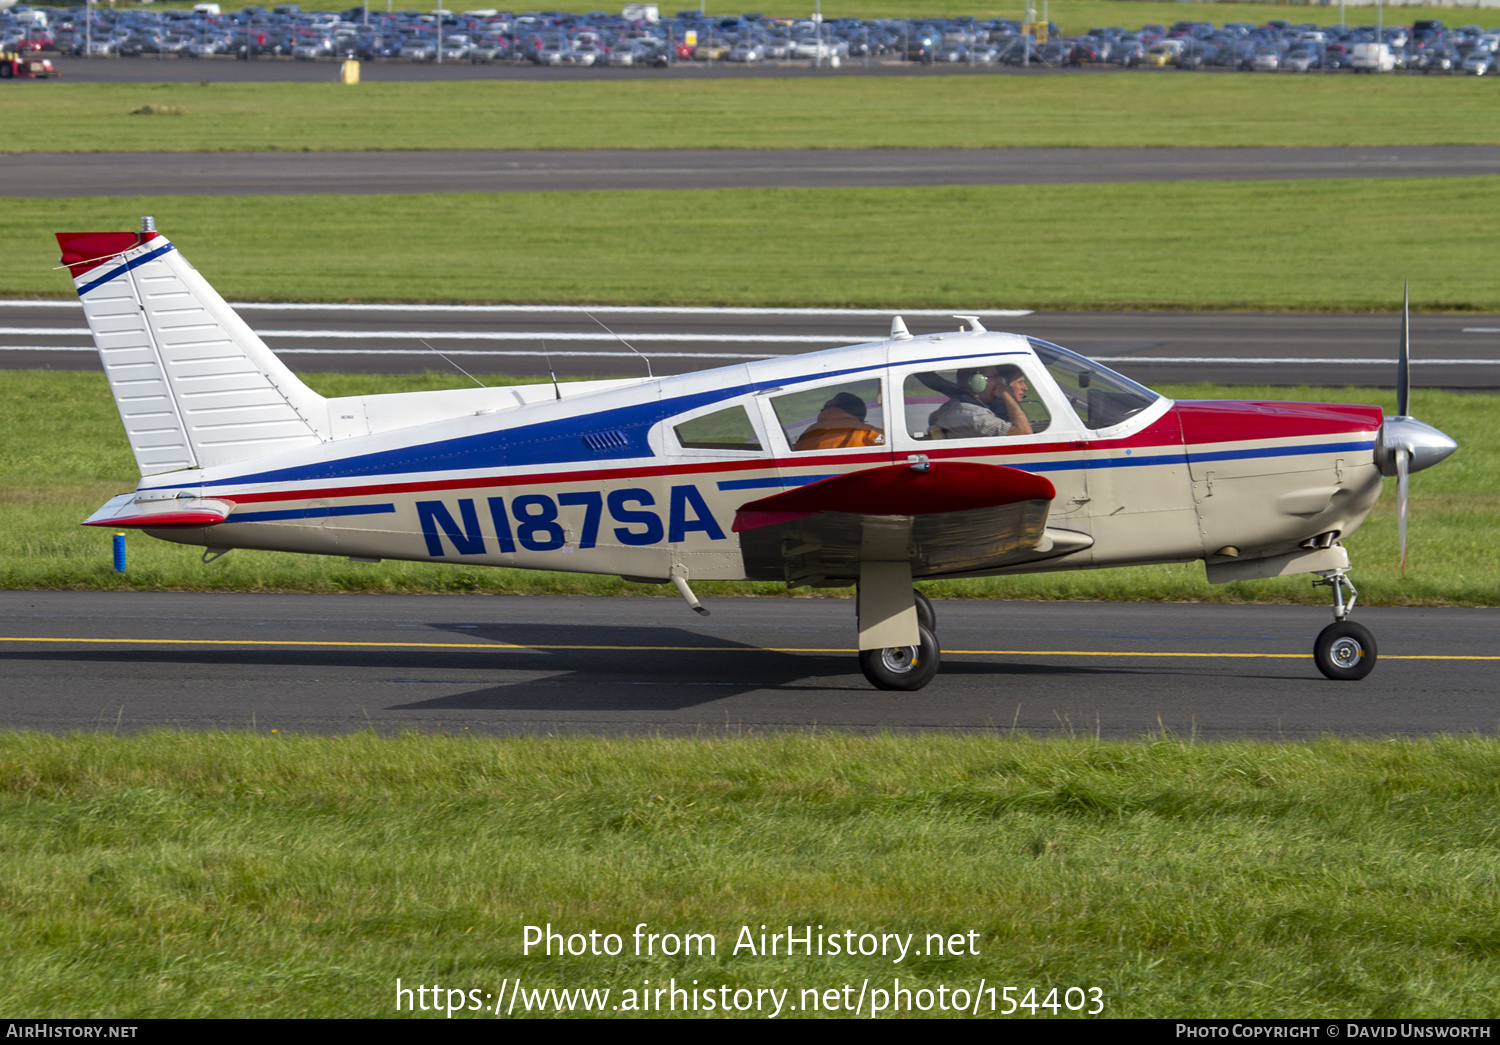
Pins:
x: 1479, y: 62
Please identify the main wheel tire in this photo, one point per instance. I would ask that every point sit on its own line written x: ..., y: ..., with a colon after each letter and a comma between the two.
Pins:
x: 903, y: 667
x: 1345, y: 651
x: 926, y: 615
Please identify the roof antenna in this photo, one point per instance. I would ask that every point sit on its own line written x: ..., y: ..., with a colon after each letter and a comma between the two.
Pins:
x: 548, y: 356
x: 620, y: 339
x: 455, y: 366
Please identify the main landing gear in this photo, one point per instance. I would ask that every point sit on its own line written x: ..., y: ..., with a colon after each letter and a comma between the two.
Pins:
x: 1344, y: 651
x: 898, y: 647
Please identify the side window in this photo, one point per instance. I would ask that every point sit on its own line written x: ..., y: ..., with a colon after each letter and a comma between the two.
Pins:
x: 840, y: 416
x: 981, y: 401
x: 728, y: 429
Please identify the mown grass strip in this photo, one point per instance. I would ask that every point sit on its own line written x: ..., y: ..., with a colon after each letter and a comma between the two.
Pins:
x: 62, y: 454
x: 179, y: 874
x: 843, y: 111
x: 1178, y: 245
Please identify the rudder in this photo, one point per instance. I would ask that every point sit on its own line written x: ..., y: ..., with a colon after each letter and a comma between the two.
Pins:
x: 195, y: 386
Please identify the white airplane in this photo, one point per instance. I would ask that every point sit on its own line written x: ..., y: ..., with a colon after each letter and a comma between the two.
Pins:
x: 961, y: 454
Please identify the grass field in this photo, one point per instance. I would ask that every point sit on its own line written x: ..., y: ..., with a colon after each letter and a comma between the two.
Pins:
x: 1135, y: 109
x: 62, y: 454
x: 1339, y: 245
x: 216, y: 875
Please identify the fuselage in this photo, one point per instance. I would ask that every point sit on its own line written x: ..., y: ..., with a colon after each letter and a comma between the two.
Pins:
x: 643, y: 478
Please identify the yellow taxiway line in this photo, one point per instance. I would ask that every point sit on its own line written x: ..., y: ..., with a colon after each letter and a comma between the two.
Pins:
x: 702, y: 649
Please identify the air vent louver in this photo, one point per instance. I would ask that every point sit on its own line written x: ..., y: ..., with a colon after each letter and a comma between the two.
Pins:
x: 604, y: 442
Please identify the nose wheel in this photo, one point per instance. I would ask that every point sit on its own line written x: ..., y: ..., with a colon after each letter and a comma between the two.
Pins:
x: 1344, y: 651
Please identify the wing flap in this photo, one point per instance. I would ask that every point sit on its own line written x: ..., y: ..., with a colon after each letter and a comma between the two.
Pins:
x: 955, y: 518
x: 899, y: 489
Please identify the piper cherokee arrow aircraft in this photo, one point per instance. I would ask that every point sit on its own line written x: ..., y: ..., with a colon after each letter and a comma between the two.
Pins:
x: 961, y: 454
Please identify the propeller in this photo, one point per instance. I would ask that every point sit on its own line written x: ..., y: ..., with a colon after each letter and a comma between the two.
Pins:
x: 1407, y: 445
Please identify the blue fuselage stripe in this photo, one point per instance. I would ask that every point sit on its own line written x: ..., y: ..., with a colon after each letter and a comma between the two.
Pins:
x: 773, y: 481
x: 555, y: 442
x: 310, y: 513
x: 1283, y: 451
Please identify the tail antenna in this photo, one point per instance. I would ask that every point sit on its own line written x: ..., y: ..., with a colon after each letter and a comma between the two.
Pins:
x: 454, y: 365
x: 620, y: 339
x: 557, y: 392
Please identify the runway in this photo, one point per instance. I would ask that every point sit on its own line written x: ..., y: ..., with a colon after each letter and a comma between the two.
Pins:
x: 119, y: 661
x: 1449, y: 351
x: 68, y: 175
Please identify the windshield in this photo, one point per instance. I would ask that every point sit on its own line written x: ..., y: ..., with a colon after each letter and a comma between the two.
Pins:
x: 1102, y: 397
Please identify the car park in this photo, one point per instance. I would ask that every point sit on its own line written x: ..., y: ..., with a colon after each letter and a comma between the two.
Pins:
x: 598, y: 38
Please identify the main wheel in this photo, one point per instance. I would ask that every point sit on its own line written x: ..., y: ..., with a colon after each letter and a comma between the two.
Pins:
x: 902, y: 667
x: 926, y: 615
x: 1345, y: 651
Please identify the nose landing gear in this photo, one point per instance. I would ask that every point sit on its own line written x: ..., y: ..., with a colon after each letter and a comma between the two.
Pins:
x: 1344, y: 651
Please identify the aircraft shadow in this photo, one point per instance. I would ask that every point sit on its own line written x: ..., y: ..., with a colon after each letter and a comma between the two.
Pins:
x: 670, y: 669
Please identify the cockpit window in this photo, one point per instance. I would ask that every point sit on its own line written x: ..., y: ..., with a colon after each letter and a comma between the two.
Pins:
x: 1102, y: 397
x: 985, y: 399
x: 728, y: 429
x: 846, y: 415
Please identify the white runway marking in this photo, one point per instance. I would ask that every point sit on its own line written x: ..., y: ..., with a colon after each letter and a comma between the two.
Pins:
x: 614, y: 310
x: 600, y: 336
x: 494, y: 353
x: 1270, y: 360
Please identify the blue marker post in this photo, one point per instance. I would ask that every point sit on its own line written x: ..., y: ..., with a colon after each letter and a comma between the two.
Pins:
x: 119, y: 553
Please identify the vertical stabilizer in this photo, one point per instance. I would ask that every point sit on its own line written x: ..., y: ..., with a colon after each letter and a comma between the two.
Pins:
x: 195, y: 386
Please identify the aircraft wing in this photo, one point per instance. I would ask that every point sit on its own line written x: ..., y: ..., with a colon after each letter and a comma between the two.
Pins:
x: 953, y: 517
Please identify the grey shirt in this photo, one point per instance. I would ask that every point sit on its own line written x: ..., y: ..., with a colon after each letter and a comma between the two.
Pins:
x: 967, y: 419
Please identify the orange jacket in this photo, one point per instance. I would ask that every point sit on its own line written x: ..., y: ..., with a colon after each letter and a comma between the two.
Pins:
x: 837, y: 429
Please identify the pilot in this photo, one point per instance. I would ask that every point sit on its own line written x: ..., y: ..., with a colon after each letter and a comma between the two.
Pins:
x: 988, y: 404
x: 841, y: 424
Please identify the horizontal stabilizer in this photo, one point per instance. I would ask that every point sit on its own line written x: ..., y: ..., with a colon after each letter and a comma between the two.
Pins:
x: 133, y: 512
x: 195, y: 386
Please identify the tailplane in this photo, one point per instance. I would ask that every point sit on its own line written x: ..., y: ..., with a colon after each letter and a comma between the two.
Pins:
x: 195, y: 386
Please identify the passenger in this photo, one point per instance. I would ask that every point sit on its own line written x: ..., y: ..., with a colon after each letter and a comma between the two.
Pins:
x: 976, y: 414
x: 841, y: 424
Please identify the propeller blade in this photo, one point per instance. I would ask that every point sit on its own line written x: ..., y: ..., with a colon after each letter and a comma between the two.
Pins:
x: 1402, y: 479
x: 1403, y: 359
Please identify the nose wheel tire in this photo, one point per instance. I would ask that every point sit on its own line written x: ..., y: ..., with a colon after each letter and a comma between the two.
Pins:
x: 1345, y: 651
x: 902, y: 667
